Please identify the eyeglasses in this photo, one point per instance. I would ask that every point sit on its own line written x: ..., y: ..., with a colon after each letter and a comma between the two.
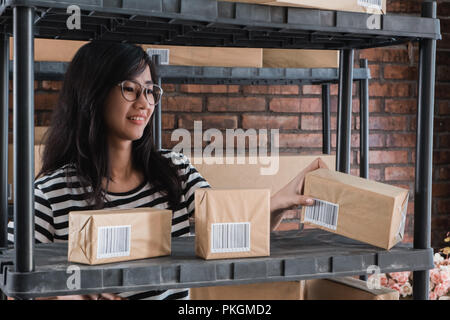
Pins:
x: 132, y: 90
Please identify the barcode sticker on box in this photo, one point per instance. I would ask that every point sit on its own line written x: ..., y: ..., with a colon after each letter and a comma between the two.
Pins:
x: 322, y: 213
x: 163, y: 54
x: 230, y: 237
x: 113, y: 241
x: 375, y: 4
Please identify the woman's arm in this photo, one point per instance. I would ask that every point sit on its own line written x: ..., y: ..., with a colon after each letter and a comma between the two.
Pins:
x: 284, y: 203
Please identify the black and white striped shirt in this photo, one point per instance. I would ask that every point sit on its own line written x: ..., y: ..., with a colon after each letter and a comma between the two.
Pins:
x: 54, y: 199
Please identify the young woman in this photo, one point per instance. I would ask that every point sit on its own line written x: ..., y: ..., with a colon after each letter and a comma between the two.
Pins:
x: 99, y: 153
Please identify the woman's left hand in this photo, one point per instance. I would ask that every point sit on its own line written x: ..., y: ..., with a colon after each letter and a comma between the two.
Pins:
x: 283, y: 204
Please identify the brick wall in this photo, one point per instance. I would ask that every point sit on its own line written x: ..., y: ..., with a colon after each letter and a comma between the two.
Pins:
x: 296, y: 111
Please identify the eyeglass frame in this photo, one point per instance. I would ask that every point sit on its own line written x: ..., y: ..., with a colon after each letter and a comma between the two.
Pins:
x: 120, y: 84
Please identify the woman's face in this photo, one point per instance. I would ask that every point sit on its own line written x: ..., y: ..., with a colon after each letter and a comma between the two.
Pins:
x: 119, y: 111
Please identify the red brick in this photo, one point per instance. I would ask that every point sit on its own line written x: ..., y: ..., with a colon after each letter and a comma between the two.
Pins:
x: 168, y: 121
x: 182, y: 104
x: 443, y: 73
x: 399, y: 55
x: 168, y: 87
x: 442, y: 57
x: 399, y: 173
x: 442, y: 91
x: 269, y: 122
x: 444, y: 173
x: 389, y: 157
x: 441, y: 157
x: 444, y: 141
x: 410, y: 209
x: 441, y: 189
x: 312, y: 89
x: 444, y: 107
x: 400, y: 72
x: 296, y: 140
x: 388, y: 123
x: 442, y: 124
x: 310, y: 122
x: 443, y: 9
x: 287, y: 226
x: 186, y: 121
x: 207, y: 88
x: 443, y: 206
x: 52, y: 85
x: 375, y: 105
x: 45, y: 101
x: 218, y: 104
x: 334, y: 89
x: 401, y: 106
x: 285, y: 89
x: 374, y: 71
x: 397, y: 89
x: 401, y: 140
x: 296, y: 105
x: 402, y: 6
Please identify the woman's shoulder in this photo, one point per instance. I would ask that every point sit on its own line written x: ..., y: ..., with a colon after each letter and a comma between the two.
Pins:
x: 61, y: 175
x: 178, y: 158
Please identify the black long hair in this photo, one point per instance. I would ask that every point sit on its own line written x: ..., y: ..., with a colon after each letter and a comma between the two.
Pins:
x: 77, y: 133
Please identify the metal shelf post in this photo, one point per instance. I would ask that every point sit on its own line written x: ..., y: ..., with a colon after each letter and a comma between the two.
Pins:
x: 364, y: 123
x: 326, y: 115
x: 344, y: 117
x: 23, y: 95
x: 157, y: 112
x: 424, y: 153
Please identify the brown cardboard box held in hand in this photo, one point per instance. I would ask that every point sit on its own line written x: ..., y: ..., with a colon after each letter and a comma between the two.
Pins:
x: 232, y: 223
x: 105, y: 236
x: 357, y: 208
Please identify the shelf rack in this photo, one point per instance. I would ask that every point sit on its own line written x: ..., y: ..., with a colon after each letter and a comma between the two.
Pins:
x: 213, y: 23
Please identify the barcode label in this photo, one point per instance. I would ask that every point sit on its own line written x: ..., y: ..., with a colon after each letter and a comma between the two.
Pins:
x: 322, y: 213
x: 230, y: 237
x: 375, y: 4
x: 163, y: 54
x: 113, y: 241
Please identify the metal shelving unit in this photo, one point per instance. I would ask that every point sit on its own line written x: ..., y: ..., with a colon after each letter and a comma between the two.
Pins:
x: 25, y: 269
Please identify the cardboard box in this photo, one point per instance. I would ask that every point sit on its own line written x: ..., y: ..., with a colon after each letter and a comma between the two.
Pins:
x: 211, y: 56
x: 292, y: 58
x: 232, y: 223
x: 357, y: 208
x: 318, y: 289
x: 347, y: 288
x: 289, y: 290
x: 38, y: 150
x: 105, y: 236
x: 247, y: 173
x: 364, y: 6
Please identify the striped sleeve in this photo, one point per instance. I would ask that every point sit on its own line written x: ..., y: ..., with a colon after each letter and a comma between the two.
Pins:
x: 192, y: 180
x: 43, y: 219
